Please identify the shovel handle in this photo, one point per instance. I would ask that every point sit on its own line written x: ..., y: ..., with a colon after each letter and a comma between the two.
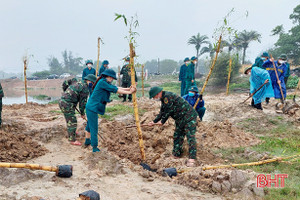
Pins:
x: 282, y: 97
x: 255, y: 92
x: 142, y: 125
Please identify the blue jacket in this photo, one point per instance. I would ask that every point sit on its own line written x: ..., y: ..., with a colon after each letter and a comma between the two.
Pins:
x: 281, y: 71
x: 257, y: 78
x: 192, y: 100
x: 190, y: 72
x: 102, y: 69
x: 182, y: 72
x: 100, y: 96
x: 86, y: 72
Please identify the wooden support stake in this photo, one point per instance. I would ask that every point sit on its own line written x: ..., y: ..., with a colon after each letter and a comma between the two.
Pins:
x: 99, y: 39
x: 229, y: 73
x: 25, y: 78
x: 136, y: 111
x: 211, y: 69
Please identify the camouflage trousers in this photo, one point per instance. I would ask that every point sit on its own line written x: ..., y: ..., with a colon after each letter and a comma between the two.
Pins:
x: 188, y: 130
x: 68, y: 109
x: 126, y: 85
x: 0, y: 111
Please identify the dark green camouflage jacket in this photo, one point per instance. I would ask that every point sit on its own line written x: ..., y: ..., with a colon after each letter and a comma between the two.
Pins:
x: 1, y: 91
x: 127, y: 74
x: 176, y: 107
x: 77, y: 92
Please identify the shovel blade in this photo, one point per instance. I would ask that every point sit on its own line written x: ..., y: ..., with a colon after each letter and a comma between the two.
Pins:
x: 147, y: 167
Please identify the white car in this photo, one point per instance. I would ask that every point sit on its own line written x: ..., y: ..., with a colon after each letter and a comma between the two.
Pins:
x: 65, y: 75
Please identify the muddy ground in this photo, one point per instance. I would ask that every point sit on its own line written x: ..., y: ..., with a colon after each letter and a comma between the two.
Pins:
x: 37, y: 134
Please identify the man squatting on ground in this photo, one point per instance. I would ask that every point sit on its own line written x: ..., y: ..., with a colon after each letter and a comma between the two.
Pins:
x: 185, y: 118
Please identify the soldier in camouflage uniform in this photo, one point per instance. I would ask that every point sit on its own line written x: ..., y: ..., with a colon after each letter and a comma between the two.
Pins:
x: 75, y: 93
x: 126, y: 79
x: 1, y: 96
x: 185, y: 118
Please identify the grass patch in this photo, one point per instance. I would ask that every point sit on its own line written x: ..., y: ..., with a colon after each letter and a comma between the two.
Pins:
x: 279, y: 138
x: 119, y: 109
x: 54, y: 102
x: 41, y: 97
x: 146, y: 85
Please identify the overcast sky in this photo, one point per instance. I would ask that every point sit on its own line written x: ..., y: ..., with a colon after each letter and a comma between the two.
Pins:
x: 44, y: 28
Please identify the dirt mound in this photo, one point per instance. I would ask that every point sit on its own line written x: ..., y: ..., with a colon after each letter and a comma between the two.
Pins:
x: 158, y: 141
x: 18, y: 147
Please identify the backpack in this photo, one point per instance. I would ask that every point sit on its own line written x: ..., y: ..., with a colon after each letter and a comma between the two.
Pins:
x: 68, y: 82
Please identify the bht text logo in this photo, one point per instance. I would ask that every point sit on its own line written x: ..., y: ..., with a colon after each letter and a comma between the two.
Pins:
x: 263, y: 180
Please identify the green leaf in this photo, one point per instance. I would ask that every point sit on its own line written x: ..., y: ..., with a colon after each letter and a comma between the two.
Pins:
x: 225, y: 21
x: 117, y: 16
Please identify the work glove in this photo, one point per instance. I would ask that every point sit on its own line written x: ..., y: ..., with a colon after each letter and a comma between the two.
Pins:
x: 200, y: 97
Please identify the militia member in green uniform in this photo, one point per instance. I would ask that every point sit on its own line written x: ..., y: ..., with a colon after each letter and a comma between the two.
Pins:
x: 1, y: 96
x: 190, y: 75
x: 126, y: 79
x: 185, y: 118
x: 75, y: 93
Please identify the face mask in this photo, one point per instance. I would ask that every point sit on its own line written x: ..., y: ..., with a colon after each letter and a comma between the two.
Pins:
x: 126, y: 63
x: 281, y: 61
x: 263, y: 58
x: 195, y: 62
x: 89, y: 65
x: 191, y: 94
x: 186, y: 63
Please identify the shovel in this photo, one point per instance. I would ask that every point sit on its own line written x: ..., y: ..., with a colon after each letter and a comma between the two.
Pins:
x: 144, y: 165
x: 64, y: 171
x: 252, y: 94
x: 172, y: 171
x: 282, y: 96
x: 87, y: 121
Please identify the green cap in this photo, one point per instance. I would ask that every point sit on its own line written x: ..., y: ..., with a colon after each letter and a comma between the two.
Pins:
x: 154, y: 91
x: 105, y: 62
x: 111, y: 73
x: 88, y: 61
x: 193, y: 89
x: 186, y: 59
x: 91, y: 77
x: 283, y: 56
x: 265, y: 54
x: 194, y: 58
x: 127, y: 59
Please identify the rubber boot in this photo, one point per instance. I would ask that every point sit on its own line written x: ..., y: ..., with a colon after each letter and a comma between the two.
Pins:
x: 95, y: 149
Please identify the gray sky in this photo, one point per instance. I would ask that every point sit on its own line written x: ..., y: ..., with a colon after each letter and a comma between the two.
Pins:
x: 45, y: 28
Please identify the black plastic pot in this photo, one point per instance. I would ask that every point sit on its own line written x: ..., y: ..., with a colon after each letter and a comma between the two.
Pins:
x: 170, y: 172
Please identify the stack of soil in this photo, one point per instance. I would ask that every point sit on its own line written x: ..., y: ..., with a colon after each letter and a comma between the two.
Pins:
x: 19, y: 147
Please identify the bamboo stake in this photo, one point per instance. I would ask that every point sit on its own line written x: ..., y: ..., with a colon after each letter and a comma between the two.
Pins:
x: 29, y: 166
x: 119, y: 79
x: 251, y: 163
x: 25, y: 78
x: 229, y: 73
x: 136, y: 111
x: 98, y: 56
x: 210, y: 71
x: 143, y: 80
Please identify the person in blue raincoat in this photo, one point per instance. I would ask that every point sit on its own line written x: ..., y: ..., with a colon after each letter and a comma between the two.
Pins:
x: 97, y: 103
x: 281, y: 71
x: 283, y: 57
x: 182, y: 73
x: 88, y: 70
x: 190, y: 75
x: 258, y: 62
x: 104, y: 66
x: 258, y: 78
x: 192, y: 97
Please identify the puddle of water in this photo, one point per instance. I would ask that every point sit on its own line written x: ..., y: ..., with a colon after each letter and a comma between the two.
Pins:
x: 21, y: 100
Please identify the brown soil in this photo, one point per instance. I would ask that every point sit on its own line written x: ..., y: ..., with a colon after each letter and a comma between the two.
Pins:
x: 19, y: 147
